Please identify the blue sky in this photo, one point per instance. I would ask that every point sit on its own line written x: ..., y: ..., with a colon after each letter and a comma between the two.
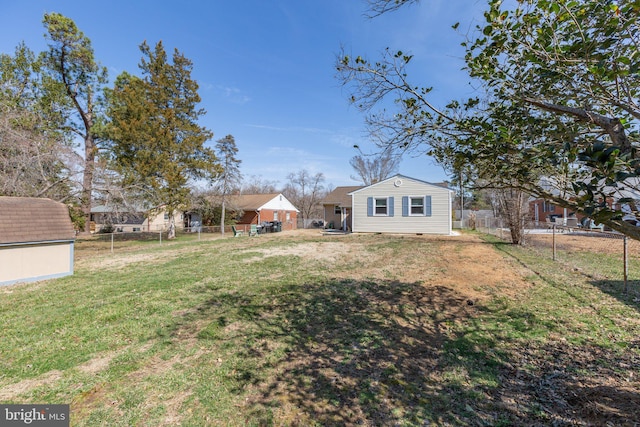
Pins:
x: 266, y: 67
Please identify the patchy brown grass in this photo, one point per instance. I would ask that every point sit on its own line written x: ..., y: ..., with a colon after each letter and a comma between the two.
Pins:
x: 301, y: 329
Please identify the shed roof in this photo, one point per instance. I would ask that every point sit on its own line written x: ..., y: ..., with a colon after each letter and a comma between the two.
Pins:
x: 29, y: 219
x: 340, y: 196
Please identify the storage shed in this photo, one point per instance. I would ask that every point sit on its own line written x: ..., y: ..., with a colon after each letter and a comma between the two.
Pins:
x: 401, y: 204
x: 36, y: 240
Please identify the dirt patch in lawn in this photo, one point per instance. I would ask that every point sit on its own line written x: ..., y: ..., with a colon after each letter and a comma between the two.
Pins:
x: 463, y: 262
x: 10, y: 391
x: 92, y: 366
x: 400, y: 308
x: 468, y: 266
x: 385, y: 345
x: 316, y: 251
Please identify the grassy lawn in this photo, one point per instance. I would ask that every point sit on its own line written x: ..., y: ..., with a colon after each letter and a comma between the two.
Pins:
x: 304, y: 329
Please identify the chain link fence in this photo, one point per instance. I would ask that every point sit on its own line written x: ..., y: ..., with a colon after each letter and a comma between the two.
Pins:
x: 113, y: 242
x: 605, y: 256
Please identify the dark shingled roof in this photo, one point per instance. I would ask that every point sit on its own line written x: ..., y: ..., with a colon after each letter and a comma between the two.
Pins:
x: 340, y: 196
x: 29, y: 219
x: 252, y: 202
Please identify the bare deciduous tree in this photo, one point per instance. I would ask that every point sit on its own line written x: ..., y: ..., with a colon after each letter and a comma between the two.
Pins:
x: 374, y: 168
x: 257, y: 185
x: 35, y: 155
x: 305, y: 191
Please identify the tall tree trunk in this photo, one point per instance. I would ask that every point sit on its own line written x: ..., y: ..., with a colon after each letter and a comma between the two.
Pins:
x: 222, y: 216
x: 87, y: 180
x: 514, y: 211
x: 171, y: 233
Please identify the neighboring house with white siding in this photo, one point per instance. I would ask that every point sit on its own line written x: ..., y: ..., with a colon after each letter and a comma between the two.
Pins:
x: 404, y: 205
x: 121, y: 219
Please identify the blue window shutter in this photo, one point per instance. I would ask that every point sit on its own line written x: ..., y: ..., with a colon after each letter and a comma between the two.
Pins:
x: 390, y: 207
x: 369, y: 206
x: 405, y: 205
x: 427, y: 205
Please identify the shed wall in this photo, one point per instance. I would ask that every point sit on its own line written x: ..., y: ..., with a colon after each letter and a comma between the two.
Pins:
x: 26, y: 263
x: 438, y: 223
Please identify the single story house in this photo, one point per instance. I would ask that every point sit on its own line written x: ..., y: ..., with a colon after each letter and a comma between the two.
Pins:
x: 401, y: 204
x: 336, y: 207
x: 36, y: 240
x: 126, y: 220
x: 262, y: 208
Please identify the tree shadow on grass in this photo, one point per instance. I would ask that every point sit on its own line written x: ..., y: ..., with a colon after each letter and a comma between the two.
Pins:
x: 616, y: 288
x: 391, y: 353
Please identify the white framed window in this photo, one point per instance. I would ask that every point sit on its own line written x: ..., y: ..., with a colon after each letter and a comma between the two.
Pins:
x: 288, y: 216
x: 337, y: 210
x: 380, y: 206
x: 416, y: 205
x: 275, y: 216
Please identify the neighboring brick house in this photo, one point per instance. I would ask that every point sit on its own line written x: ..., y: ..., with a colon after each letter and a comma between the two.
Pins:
x: 540, y: 210
x: 266, y: 208
x: 36, y: 240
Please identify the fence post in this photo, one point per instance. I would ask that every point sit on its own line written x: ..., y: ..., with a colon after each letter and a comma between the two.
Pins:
x: 111, y: 242
x: 554, y: 241
x: 160, y: 236
x: 626, y: 263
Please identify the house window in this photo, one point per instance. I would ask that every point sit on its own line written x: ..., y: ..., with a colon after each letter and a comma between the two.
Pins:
x: 337, y: 210
x: 417, y: 205
x: 380, y: 206
x: 275, y: 216
x: 288, y: 216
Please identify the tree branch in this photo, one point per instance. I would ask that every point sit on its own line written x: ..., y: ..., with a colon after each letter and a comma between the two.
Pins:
x: 612, y: 126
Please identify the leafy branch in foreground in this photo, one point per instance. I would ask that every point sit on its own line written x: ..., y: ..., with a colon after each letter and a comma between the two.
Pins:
x: 559, y: 114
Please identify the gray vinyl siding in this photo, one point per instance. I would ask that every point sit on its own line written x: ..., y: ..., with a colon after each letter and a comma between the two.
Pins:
x: 439, y: 222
